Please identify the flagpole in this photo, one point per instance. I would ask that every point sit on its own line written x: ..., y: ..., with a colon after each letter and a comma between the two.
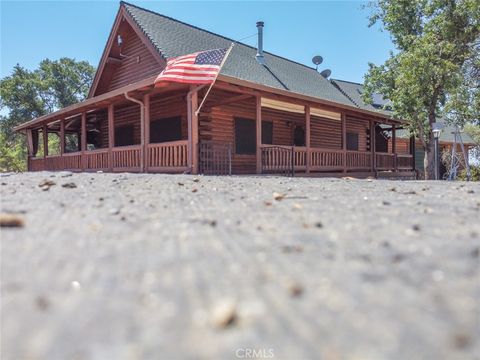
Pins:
x: 214, y: 80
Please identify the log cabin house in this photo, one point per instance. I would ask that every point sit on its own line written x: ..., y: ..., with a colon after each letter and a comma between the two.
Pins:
x: 265, y: 114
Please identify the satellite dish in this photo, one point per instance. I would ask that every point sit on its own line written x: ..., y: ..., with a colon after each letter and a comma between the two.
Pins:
x: 326, y: 73
x: 317, y: 60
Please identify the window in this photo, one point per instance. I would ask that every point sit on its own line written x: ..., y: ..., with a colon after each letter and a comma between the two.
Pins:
x: 267, y: 132
x: 163, y: 130
x: 245, y: 137
x: 381, y: 140
x: 299, y: 136
x: 124, y: 135
x: 93, y: 139
x: 72, y: 143
x: 352, y: 141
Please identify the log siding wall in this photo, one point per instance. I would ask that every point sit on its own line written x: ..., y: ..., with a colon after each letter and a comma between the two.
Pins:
x: 137, y: 63
x: 359, y: 126
x: 218, y: 124
x: 161, y: 107
x: 326, y: 133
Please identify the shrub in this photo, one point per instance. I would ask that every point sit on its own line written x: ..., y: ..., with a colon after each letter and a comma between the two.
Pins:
x: 474, y: 172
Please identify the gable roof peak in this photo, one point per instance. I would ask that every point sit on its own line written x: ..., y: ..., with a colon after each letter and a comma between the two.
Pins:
x: 208, y: 32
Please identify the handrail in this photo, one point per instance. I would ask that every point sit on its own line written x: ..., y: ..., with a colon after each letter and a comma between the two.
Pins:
x: 168, y: 143
x: 358, y: 152
x: 127, y: 147
x: 97, y: 151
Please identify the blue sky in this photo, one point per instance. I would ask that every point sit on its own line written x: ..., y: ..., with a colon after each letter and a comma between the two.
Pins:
x: 336, y: 30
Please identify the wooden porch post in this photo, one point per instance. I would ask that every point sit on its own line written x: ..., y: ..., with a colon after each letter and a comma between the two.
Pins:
x: 394, y: 147
x: 29, y: 142
x: 307, y: 136
x: 29, y: 147
x: 111, y: 136
x: 195, y: 132
x: 372, y: 143
x: 192, y: 104
x: 62, y: 137
x: 84, y: 139
x: 258, y: 120
x: 344, y: 141
x: 45, y: 141
x: 146, y: 130
x: 412, y: 151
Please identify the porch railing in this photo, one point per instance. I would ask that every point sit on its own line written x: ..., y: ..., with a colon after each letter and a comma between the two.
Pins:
x: 172, y: 157
x: 167, y: 156
x: 72, y: 161
x: 300, y: 158
x: 36, y: 164
x: 69, y: 161
x: 358, y: 160
x: 96, y: 159
x: 404, y: 161
x: 126, y: 158
x: 288, y: 159
x: 324, y: 159
x: 53, y: 163
x: 278, y: 159
x: 384, y: 161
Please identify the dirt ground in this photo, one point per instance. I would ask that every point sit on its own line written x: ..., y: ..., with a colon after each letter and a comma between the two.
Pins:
x: 142, y: 266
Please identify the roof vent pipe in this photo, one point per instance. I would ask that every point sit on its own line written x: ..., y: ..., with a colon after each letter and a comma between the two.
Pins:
x: 259, y: 56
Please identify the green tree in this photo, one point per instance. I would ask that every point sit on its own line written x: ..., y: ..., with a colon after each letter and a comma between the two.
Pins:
x: 27, y: 94
x: 434, y: 71
x: 474, y: 132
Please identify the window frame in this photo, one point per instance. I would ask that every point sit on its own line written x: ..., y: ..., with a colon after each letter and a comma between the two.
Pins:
x: 302, y: 128
x: 237, y: 120
x: 271, y: 125
x: 170, y: 118
x: 357, y: 142
x: 125, y: 126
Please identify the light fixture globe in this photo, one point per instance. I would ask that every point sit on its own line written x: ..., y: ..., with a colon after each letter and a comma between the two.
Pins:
x: 437, y: 129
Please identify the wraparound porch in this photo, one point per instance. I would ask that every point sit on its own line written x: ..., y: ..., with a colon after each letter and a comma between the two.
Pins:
x: 98, y: 145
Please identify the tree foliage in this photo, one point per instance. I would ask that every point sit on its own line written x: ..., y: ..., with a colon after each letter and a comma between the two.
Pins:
x: 27, y: 94
x: 474, y: 132
x: 435, y: 69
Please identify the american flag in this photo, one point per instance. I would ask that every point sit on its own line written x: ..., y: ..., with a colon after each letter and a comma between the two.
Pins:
x: 197, y: 68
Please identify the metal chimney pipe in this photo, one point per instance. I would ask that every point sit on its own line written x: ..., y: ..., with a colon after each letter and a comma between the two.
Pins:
x: 259, y: 56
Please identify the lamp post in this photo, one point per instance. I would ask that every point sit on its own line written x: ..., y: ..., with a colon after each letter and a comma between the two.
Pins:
x: 437, y: 129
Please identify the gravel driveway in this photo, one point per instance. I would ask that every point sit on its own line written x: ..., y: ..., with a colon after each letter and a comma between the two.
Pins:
x: 142, y: 266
